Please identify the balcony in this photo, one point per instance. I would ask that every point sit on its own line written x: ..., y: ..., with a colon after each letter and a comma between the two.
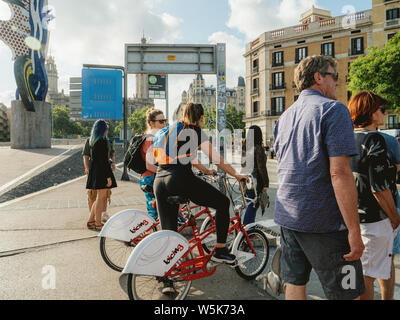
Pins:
x: 282, y: 86
x: 275, y: 113
x: 350, y: 21
x: 254, y: 92
x: 393, y: 126
x: 390, y: 24
x: 277, y: 64
x: 353, y: 52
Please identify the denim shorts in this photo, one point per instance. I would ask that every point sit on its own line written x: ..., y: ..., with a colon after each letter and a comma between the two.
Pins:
x: 323, y: 252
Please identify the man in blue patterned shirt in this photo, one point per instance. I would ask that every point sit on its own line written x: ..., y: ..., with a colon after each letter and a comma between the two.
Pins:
x: 316, y: 204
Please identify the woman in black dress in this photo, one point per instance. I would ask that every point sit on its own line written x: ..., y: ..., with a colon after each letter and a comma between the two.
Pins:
x: 101, y: 177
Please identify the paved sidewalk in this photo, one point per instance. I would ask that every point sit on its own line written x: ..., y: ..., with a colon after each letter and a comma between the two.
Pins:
x: 49, y: 229
x: 15, y: 163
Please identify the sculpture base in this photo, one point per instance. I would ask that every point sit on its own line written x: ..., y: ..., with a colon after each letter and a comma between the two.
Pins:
x: 30, y: 130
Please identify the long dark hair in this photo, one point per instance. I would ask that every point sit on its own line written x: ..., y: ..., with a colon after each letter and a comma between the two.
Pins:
x: 257, y: 134
x: 98, y: 131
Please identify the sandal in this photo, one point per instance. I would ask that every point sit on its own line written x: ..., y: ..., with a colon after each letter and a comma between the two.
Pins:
x: 98, y: 227
x: 91, y: 225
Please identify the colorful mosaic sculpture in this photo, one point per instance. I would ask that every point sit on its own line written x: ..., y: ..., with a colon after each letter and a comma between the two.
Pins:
x: 27, y: 35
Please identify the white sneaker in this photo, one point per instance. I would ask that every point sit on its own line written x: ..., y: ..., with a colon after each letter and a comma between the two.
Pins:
x: 104, y: 217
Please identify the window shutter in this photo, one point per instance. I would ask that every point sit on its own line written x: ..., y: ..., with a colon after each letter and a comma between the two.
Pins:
x: 297, y: 55
x: 333, y: 49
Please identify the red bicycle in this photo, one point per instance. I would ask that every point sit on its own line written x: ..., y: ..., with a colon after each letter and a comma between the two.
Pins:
x: 168, y: 256
x: 123, y: 231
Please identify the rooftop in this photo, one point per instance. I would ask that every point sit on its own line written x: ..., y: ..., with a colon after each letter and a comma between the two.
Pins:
x: 351, y: 21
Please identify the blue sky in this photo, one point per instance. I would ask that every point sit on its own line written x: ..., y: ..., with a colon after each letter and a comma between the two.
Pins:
x: 94, y: 31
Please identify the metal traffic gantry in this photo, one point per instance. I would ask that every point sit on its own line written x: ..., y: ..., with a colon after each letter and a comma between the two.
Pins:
x: 183, y: 59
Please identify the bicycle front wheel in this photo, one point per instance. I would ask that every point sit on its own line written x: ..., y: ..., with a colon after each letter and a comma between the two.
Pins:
x: 251, y: 268
x: 209, y: 243
x: 150, y: 287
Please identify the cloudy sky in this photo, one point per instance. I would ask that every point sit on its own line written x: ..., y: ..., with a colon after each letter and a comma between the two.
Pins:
x: 95, y: 31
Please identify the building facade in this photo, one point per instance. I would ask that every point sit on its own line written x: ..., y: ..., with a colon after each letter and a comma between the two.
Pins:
x: 54, y: 97
x: 199, y: 93
x: 4, y: 123
x: 272, y: 58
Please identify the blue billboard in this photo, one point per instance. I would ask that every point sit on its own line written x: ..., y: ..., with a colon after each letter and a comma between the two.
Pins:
x: 102, y: 94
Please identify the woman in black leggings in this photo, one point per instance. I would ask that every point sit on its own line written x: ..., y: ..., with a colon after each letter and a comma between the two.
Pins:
x: 178, y: 178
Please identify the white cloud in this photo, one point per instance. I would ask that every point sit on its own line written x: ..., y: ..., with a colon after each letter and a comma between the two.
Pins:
x: 235, y: 49
x: 6, y: 97
x: 254, y: 17
x: 96, y: 31
x: 5, y: 12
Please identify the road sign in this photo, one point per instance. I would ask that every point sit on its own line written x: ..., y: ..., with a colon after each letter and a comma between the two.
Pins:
x: 157, y: 86
x: 170, y: 58
x: 102, y: 94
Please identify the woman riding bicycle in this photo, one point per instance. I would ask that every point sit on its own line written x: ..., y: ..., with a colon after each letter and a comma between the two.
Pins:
x: 175, y: 151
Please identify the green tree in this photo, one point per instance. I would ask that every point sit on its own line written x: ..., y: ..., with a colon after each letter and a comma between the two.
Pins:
x: 234, y: 117
x: 62, y: 125
x: 379, y: 71
x: 137, y: 121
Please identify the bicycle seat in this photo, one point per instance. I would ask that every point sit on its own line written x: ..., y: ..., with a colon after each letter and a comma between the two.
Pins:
x: 177, y: 200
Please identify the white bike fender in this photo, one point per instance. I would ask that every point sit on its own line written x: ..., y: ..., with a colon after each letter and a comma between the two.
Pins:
x: 126, y: 225
x: 156, y: 254
x: 239, y: 236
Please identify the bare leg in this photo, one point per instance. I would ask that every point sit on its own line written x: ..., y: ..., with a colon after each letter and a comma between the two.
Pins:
x: 387, y: 286
x: 99, y: 204
x: 369, y: 288
x: 293, y: 292
x: 92, y: 194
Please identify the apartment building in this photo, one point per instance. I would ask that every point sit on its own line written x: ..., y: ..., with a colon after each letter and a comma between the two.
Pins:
x: 4, y: 123
x: 200, y: 93
x: 271, y: 59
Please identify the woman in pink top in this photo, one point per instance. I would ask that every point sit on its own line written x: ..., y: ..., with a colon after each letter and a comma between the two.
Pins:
x: 155, y: 120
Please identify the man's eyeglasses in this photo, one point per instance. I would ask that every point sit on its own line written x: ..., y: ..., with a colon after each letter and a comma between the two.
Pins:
x: 334, y: 75
x: 383, y: 109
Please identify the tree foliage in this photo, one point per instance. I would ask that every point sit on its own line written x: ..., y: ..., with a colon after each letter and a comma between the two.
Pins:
x: 62, y: 125
x: 234, y: 118
x: 379, y: 71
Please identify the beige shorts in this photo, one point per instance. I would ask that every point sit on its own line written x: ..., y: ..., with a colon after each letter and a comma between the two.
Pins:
x: 92, y: 195
x: 377, y: 257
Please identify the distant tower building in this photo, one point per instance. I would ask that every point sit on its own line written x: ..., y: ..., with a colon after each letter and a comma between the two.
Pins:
x: 52, y: 75
x: 53, y: 96
x: 142, y: 82
x: 141, y: 98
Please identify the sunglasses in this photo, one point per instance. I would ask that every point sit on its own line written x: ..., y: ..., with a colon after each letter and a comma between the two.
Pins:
x: 334, y: 75
x: 161, y: 121
x: 383, y: 109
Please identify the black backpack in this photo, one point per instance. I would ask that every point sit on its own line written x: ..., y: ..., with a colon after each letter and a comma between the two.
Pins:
x: 133, y: 158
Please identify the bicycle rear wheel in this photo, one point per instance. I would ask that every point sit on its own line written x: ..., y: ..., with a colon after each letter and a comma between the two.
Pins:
x: 250, y: 269
x: 150, y: 287
x: 115, y: 253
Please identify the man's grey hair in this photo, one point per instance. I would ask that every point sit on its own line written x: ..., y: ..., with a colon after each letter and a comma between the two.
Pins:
x: 304, y: 73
